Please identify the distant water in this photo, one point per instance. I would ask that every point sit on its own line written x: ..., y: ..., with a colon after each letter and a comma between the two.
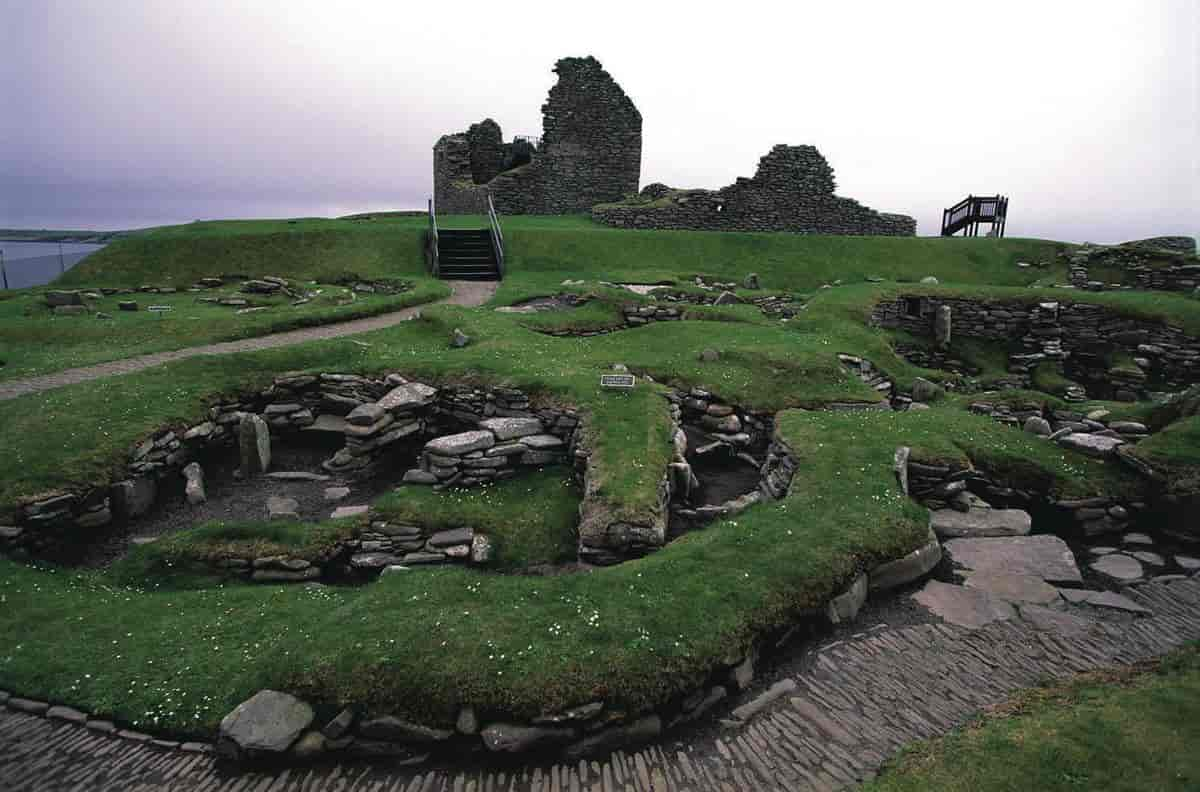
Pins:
x: 37, y: 263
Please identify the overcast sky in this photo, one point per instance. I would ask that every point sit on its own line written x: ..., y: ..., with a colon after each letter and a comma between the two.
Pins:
x: 118, y: 113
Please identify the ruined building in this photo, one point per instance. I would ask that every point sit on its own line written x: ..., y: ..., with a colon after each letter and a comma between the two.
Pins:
x: 791, y: 191
x: 590, y: 152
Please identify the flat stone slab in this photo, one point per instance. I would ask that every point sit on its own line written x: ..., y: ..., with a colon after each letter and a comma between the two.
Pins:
x: 296, y: 475
x: 953, y: 524
x: 512, y: 428
x: 908, y: 568
x: 462, y: 443
x: 266, y: 723
x: 326, y: 422
x: 409, y: 396
x: 341, y: 512
x: 1150, y: 559
x: 1119, y: 567
x: 282, y: 508
x: 1090, y: 444
x: 542, y: 442
x: 965, y: 607
x: 1104, y: 599
x: 1042, y: 556
x: 1137, y: 539
x: 1014, y: 588
x: 1187, y: 563
x: 1055, y: 621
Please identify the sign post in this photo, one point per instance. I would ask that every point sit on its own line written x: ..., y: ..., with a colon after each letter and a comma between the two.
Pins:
x: 618, y: 381
x: 159, y: 309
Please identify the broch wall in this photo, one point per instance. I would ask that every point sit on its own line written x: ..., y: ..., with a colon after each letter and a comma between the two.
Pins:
x: 590, y: 152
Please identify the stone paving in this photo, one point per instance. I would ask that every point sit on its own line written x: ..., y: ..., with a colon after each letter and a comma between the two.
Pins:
x: 850, y: 706
x: 466, y: 293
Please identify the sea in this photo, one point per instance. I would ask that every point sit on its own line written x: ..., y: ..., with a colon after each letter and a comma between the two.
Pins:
x: 37, y: 263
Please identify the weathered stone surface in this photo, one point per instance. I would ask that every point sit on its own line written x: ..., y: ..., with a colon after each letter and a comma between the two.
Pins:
x: 467, y: 721
x: 925, y: 391
x: 462, y: 443
x: 1149, y: 559
x: 511, y: 738
x: 907, y: 569
x: 453, y: 536
x: 254, y: 445
x: 1188, y: 563
x: 459, y: 339
x: 965, y: 607
x: 406, y: 397
x: 951, y: 524
x: 335, y: 493
x: 512, y: 428
x: 1014, y: 588
x: 1119, y: 567
x: 1043, y: 556
x: 366, y: 415
x: 637, y: 733
x: 1104, y: 599
x: 67, y: 714
x: 194, y: 488
x: 394, y: 729
x: 845, y: 606
x: 1037, y: 425
x: 342, y: 512
x: 285, y: 575
x: 483, y: 550
x: 279, y: 508
x: 1091, y: 444
x: 1055, y: 621
x: 265, y: 724
x: 416, y: 476
x: 339, y: 725
x: 374, y: 560
x: 751, y: 708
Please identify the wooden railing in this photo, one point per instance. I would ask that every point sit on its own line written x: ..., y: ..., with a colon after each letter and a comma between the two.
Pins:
x: 973, y: 210
x: 431, y: 244
x: 497, y: 236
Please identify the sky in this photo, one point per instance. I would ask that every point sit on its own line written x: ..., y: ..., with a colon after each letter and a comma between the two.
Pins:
x: 127, y: 113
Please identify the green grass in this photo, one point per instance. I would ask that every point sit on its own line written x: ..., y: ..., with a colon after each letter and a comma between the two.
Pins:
x: 34, y: 340
x: 187, y: 559
x: 1175, y: 451
x: 635, y: 634
x: 530, y: 519
x: 1113, y: 731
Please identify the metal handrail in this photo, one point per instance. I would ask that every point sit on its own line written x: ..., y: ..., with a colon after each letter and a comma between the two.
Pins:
x: 432, y: 242
x: 497, y: 235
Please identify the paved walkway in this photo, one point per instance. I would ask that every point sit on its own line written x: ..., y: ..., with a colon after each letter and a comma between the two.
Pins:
x: 855, y: 702
x: 466, y: 293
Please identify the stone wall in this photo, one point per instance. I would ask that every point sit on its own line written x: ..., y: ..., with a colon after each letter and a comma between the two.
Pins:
x: 591, y: 152
x: 1080, y: 336
x: 792, y: 190
x: 1161, y: 263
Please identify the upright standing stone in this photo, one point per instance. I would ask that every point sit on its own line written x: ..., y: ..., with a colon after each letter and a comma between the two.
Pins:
x: 941, y: 326
x: 194, y: 489
x: 254, y: 445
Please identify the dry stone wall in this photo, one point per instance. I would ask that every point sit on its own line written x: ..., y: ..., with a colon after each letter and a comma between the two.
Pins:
x: 590, y: 152
x: 1161, y: 263
x: 792, y: 190
x: 1080, y: 336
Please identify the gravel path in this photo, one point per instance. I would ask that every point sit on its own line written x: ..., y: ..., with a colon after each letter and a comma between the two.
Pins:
x: 850, y: 705
x: 466, y: 293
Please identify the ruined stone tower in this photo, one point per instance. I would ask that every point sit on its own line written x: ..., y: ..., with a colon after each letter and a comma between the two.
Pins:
x: 590, y: 152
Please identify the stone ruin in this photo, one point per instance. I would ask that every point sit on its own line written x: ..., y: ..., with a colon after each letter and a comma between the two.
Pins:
x: 792, y: 190
x: 590, y: 152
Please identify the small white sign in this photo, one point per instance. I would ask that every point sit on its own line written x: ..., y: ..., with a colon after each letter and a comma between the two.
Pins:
x: 159, y: 308
x: 625, y: 381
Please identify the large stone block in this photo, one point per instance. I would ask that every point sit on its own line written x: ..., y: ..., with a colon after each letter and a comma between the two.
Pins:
x: 266, y: 724
x: 254, y: 445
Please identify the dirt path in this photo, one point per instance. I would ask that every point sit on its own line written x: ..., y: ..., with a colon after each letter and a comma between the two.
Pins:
x: 849, y: 705
x: 466, y: 293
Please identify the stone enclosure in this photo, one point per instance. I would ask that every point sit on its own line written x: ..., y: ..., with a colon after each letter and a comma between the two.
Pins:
x: 1114, y: 356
